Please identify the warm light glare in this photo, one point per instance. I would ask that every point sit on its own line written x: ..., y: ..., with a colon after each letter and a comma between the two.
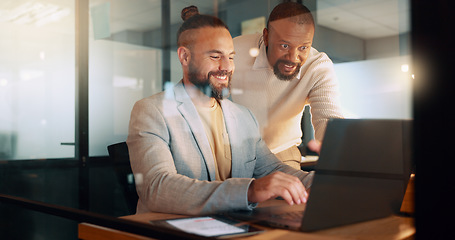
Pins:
x: 3, y: 82
x: 405, y: 68
x: 254, y: 52
x: 42, y: 55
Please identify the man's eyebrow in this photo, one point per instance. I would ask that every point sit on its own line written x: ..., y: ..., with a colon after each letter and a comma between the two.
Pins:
x: 220, y: 52
x: 284, y: 41
x: 287, y: 42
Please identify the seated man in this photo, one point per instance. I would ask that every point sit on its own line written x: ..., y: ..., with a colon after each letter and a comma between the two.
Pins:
x: 194, y: 152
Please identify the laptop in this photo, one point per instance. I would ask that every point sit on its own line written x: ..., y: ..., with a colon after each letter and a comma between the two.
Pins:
x: 362, y: 174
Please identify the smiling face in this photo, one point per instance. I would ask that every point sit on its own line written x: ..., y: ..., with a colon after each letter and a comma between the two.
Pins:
x: 211, y: 61
x: 288, y: 46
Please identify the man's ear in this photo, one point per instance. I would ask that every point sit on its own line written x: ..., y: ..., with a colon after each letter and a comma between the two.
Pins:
x: 184, y: 55
x: 265, y: 36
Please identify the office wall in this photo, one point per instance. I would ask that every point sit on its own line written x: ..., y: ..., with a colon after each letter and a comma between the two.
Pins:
x: 390, y: 46
x: 340, y: 47
x: 377, y: 88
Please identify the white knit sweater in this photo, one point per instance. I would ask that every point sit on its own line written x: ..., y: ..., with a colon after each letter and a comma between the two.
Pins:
x: 278, y: 105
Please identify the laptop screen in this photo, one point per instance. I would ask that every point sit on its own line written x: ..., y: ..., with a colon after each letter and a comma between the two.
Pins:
x: 361, y: 173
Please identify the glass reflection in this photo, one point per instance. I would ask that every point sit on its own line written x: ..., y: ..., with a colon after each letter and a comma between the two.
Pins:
x: 37, y: 79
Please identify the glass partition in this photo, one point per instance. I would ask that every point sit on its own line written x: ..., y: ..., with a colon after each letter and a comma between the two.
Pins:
x: 37, y: 79
x: 132, y: 55
x: 126, y: 61
x: 369, y: 43
x: 367, y: 40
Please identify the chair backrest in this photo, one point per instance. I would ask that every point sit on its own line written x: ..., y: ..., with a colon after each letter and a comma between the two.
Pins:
x: 119, y: 155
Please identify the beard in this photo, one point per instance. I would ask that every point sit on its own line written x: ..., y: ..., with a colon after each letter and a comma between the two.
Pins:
x: 282, y: 76
x: 208, y: 87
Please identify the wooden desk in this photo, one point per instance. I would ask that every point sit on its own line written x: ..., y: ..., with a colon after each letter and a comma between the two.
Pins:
x: 393, y: 227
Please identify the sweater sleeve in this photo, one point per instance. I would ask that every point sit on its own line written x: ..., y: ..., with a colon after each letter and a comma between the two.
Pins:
x: 323, y: 97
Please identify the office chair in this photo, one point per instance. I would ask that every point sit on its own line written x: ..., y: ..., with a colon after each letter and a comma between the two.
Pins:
x: 119, y: 155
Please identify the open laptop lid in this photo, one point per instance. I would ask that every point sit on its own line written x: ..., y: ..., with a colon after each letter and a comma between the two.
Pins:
x: 373, y: 146
x: 361, y: 174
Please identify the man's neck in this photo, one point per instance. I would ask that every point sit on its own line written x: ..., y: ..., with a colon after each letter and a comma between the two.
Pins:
x: 197, y: 96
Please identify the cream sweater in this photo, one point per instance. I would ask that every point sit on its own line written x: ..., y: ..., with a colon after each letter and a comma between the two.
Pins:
x: 278, y: 105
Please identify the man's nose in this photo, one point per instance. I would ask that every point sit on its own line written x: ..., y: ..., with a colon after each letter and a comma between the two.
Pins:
x: 293, y: 55
x: 226, y: 64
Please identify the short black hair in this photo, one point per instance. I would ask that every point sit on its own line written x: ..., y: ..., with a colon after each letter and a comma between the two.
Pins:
x: 193, y: 20
x: 296, y: 12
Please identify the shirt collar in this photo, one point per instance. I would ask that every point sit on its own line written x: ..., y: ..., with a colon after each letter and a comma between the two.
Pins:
x: 261, y: 60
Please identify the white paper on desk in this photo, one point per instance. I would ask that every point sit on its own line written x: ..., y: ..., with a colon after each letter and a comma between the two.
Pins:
x: 205, y: 226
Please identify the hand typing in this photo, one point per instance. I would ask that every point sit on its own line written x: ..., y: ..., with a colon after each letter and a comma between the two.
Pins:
x: 278, y: 184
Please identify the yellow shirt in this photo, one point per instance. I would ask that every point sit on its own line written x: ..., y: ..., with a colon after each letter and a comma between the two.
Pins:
x: 215, y: 128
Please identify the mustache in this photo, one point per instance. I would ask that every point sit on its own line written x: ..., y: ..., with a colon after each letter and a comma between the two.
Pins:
x: 287, y: 62
x: 221, y: 73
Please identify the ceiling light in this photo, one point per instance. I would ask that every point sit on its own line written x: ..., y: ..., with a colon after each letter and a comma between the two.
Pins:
x: 34, y: 13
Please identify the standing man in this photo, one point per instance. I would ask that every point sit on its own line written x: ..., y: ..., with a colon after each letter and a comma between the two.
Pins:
x: 194, y: 152
x: 285, y: 75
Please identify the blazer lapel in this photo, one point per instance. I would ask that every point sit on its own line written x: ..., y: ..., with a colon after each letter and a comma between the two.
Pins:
x: 190, y: 114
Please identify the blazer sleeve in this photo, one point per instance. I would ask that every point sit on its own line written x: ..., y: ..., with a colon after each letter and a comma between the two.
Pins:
x: 153, y: 149
x: 267, y: 162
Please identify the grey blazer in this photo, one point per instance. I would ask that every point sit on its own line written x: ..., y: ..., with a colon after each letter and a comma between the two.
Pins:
x: 172, y: 160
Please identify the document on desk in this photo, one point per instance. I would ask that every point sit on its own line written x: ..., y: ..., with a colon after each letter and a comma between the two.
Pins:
x: 205, y: 226
x: 217, y: 225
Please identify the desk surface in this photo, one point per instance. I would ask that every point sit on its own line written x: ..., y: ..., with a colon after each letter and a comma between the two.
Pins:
x: 393, y: 227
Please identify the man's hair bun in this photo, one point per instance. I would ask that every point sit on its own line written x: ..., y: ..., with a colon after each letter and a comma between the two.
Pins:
x: 189, y: 12
x: 193, y: 20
